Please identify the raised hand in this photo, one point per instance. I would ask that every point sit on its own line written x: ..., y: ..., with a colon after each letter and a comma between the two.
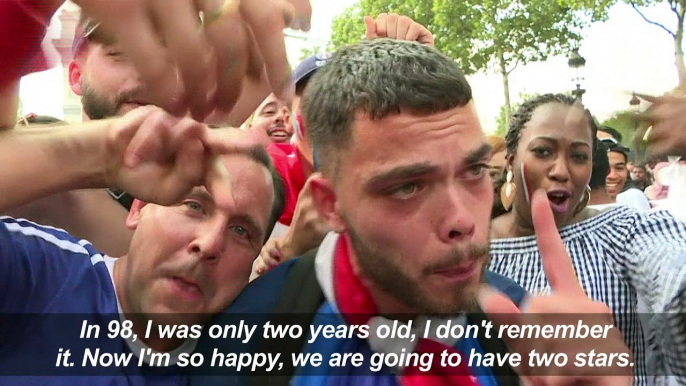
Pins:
x: 667, y: 119
x: 393, y: 26
x: 306, y: 232
x: 566, y: 305
x: 191, y: 65
x: 159, y: 158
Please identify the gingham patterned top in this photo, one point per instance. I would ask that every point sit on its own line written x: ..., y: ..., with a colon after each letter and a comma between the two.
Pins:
x: 620, y: 255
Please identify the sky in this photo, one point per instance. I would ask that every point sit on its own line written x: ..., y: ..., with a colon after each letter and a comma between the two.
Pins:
x: 623, y: 55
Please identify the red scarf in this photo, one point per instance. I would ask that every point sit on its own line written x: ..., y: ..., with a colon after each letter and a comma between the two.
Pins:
x: 357, y: 307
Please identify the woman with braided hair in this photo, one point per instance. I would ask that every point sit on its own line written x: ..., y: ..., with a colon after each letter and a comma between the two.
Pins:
x: 618, y: 255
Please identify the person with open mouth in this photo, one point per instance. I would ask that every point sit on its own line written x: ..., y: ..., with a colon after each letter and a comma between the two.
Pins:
x: 272, y: 122
x: 619, y: 255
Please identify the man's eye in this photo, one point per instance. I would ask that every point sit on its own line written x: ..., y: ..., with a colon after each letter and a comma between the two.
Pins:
x: 240, y: 231
x: 194, y: 206
x: 404, y: 191
x: 478, y: 170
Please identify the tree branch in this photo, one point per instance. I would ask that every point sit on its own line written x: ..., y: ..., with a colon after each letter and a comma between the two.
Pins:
x: 650, y: 21
x: 508, y: 72
x: 672, y: 5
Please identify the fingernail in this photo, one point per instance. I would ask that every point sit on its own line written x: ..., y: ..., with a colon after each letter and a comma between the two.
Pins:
x: 306, y: 26
x: 295, y: 24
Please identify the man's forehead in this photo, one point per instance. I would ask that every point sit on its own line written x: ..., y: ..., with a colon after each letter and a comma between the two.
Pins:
x: 271, y: 99
x: 409, y: 132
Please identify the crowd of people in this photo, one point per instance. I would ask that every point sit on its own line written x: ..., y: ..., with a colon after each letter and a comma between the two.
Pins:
x: 360, y: 190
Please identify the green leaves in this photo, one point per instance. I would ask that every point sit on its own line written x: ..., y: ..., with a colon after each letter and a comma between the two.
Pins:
x: 483, y: 34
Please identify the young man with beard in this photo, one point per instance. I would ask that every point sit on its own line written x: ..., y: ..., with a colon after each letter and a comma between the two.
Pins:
x: 211, y: 199
x: 110, y: 85
x: 406, y: 191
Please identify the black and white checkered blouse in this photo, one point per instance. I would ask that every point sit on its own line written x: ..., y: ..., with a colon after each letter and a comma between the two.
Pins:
x: 620, y: 255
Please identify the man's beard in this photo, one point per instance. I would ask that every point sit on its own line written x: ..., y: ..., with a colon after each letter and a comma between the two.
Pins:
x: 97, y: 106
x: 381, y: 268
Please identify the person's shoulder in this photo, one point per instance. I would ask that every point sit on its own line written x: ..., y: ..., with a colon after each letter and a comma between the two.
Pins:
x: 506, y: 286
x: 261, y: 295
x: 632, y: 193
x: 29, y: 235
x: 46, y: 267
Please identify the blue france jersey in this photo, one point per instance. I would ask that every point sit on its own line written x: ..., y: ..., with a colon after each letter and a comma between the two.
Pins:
x: 50, y: 283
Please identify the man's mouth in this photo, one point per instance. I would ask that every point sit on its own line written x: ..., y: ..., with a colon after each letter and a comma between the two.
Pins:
x: 457, y: 273
x: 186, y: 288
x: 127, y: 106
x: 559, y: 200
x: 279, y: 134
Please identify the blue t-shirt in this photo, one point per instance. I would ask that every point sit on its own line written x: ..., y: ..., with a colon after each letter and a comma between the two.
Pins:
x: 50, y: 283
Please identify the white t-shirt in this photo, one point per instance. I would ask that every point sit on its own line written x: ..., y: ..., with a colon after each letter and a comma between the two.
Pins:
x: 635, y: 199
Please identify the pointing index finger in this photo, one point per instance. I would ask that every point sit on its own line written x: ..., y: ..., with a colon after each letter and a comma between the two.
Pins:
x: 557, y: 263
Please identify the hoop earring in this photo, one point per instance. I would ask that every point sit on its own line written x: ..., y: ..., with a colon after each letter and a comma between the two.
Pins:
x: 584, y: 201
x: 508, y: 191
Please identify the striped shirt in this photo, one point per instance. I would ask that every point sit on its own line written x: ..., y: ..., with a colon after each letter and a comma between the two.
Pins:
x: 619, y: 256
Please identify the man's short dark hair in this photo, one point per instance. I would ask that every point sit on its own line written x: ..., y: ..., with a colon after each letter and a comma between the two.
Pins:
x: 614, y: 133
x: 601, y: 167
x: 259, y: 154
x: 378, y: 78
x: 615, y: 146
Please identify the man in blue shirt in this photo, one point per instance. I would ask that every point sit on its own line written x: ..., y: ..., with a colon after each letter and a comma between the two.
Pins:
x: 207, y: 201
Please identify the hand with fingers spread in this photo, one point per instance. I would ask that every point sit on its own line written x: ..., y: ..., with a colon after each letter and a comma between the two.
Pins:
x: 667, y: 120
x: 306, y: 232
x: 568, y: 304
x: 187, y: 61
x: 159, y: 158
x: 397, y: 27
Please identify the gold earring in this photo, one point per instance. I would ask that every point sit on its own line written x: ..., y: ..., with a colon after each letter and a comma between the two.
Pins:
x: 584, y: 201
x: 507, y: 191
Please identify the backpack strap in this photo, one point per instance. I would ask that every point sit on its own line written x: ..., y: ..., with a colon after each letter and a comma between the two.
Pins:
x: 300, y: 299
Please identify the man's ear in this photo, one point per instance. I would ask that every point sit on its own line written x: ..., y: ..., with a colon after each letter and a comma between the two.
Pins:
x: 326, y: 201
x: 134, y: 215
x: 75, y: 73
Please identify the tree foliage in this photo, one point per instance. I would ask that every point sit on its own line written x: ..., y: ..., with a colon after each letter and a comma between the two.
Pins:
x: 676, y: 30
x: 623, y: 121
x: 478, y: 32
x: 306, y: 52
x: 502, y: 124
x: 485, y: 35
